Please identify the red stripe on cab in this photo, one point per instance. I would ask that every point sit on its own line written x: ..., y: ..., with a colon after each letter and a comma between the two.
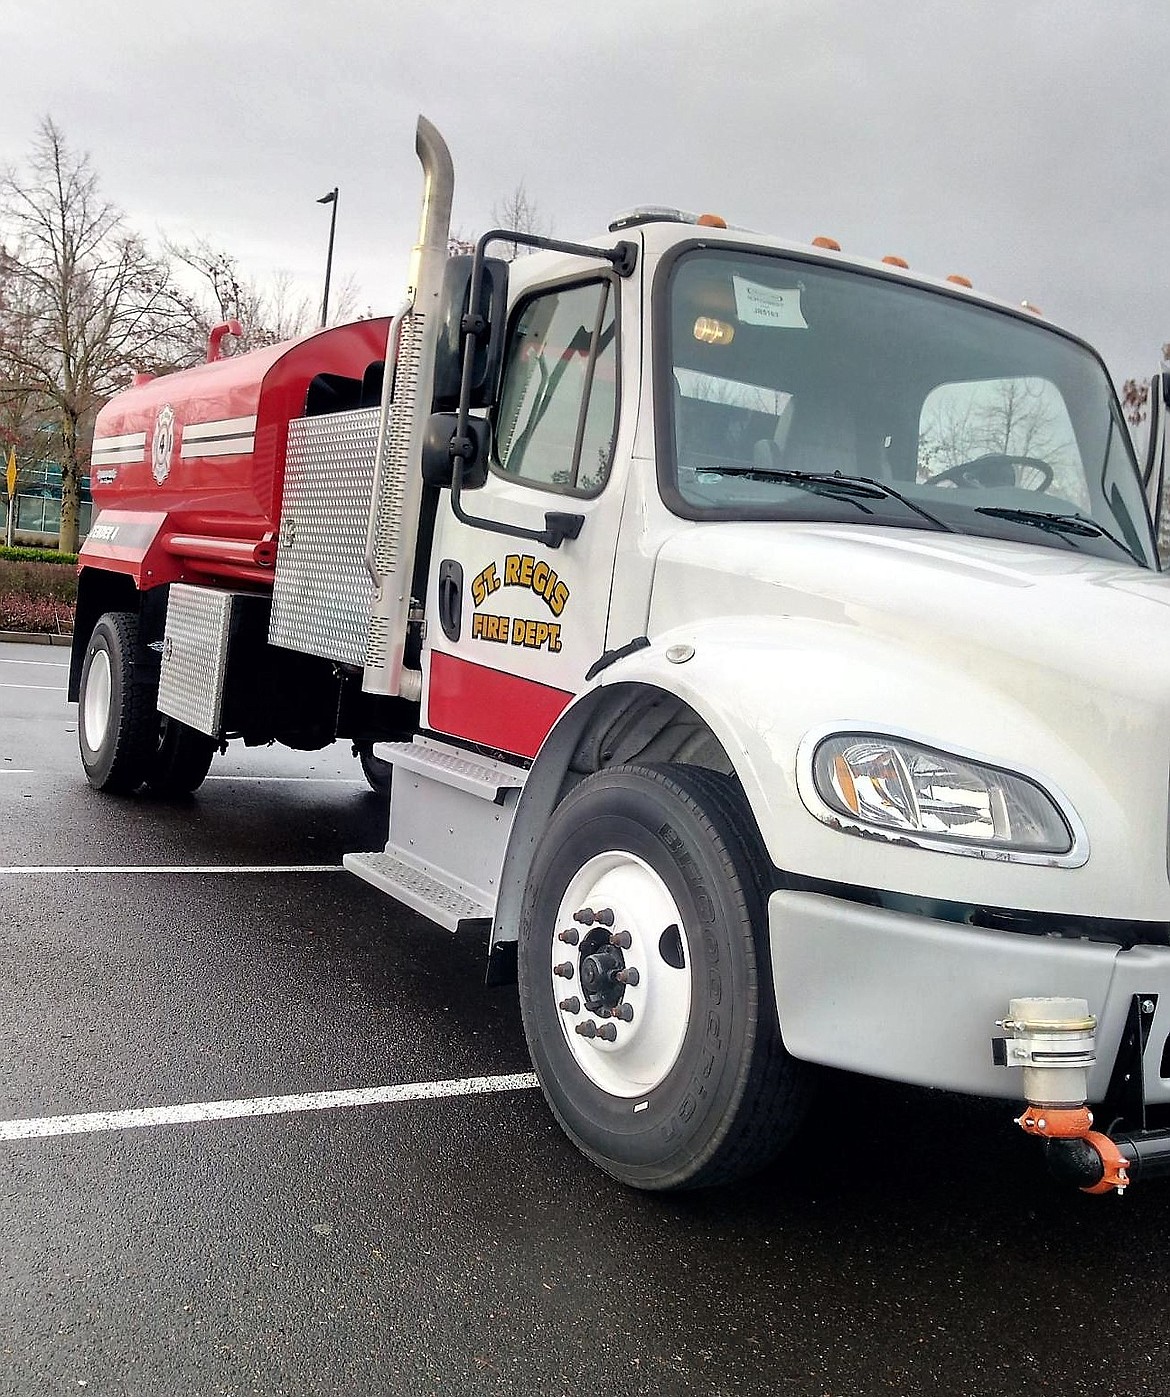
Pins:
x: 494, y: 709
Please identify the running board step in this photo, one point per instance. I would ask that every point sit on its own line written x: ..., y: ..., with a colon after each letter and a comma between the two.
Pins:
x: 451, y: 813
x: 465, y: 771
x: 419, y: 890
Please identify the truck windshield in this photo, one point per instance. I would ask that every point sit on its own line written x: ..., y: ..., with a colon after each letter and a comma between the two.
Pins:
x: 789, y: 380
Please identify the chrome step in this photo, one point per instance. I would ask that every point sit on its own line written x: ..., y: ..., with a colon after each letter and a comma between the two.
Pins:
x: 420, y: 889
x: 450, y: 766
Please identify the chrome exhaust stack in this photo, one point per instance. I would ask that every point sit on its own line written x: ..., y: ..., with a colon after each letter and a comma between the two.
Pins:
x: 406, y: 404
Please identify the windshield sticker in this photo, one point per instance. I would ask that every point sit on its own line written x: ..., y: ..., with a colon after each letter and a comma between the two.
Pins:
x: 519, y: 570
x: 756, y: 304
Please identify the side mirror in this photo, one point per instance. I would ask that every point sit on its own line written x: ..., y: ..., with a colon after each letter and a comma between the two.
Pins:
x: 442, y: 448
x: 492, y: 313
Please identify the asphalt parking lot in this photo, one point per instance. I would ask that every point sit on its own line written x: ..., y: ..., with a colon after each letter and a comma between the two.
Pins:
x: 195, y: 981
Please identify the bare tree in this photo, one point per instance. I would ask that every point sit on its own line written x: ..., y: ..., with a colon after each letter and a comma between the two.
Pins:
x: 519, y: 213
x: 269, y: 314
x: 1135, y: 394
x: 85, y: 303
x: 1009, y: 416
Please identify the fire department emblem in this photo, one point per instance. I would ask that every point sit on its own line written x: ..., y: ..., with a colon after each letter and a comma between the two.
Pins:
x: 163, y: 447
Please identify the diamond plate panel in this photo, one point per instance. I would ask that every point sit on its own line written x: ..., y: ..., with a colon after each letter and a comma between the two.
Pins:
x: 194, y: 658
x: 322, y: 593
x: 397, y: 449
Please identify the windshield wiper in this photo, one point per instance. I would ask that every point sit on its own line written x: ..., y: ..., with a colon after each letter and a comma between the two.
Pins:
x: 853, y: 488
x: 1078, y: 525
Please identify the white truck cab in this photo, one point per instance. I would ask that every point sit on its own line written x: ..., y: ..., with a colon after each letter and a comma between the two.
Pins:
x: 792, y: 671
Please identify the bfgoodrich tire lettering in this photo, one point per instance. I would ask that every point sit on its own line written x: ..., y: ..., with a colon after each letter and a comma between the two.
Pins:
x: 716, y: 1095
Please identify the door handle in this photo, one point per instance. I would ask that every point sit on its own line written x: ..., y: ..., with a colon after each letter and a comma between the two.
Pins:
x: 451, y: 598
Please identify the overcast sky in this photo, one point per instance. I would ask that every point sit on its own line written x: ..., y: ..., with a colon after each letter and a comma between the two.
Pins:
x: 1017, y: 141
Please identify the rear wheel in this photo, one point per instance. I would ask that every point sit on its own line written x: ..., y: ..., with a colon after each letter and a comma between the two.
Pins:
x: 116, y: 714
x: 181, y: 758
x: 645, y: 980
x: 377, y: 772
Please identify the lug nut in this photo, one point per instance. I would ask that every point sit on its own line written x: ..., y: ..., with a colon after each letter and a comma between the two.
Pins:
x: 572, y: 936
x: 623, y: 1012
x: 572, y: 1005
x: 585, y: 916
x: 588, y: 1029
x: 608, y: 1031
x: 622, y: 939
x: 564, y: 970
x: 605, y: 916
x: 628, y: 976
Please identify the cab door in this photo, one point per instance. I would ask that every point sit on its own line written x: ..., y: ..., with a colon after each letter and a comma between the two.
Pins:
x: 512, y: 624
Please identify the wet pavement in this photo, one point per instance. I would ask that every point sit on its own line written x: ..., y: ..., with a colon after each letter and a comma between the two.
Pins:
x: 909, y: 1243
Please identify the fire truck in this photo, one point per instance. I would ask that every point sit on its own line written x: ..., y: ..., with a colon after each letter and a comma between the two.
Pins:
x: 768, y: 647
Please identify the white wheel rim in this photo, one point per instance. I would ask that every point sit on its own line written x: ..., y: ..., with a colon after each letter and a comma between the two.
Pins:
x: 631, y: 1046
x: 95, y: 717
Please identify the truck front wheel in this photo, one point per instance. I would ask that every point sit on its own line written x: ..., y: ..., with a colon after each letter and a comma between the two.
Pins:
x: 645, y: 981
x: 116, y: 715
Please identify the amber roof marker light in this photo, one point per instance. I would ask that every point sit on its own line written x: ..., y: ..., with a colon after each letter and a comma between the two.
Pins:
x: 829, y: 244
x: 710, y: 220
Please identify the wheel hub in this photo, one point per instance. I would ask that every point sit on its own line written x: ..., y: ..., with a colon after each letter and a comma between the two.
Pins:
x: 621, y: 983
x: 598, y: 975
x: 95, y: 710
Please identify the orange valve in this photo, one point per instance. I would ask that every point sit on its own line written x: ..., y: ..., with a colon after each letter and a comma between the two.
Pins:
x: 1060, y: 1123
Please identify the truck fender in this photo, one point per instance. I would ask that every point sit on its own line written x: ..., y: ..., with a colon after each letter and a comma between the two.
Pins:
x: 637, y: 675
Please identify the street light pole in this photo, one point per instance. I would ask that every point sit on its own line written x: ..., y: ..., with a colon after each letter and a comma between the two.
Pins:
x: 330, y: 198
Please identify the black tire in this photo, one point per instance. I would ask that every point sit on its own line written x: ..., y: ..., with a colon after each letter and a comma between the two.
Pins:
x: 181, y: 759
x: 378, y: 773
x: 731, y: 1097
x: 115, y: 712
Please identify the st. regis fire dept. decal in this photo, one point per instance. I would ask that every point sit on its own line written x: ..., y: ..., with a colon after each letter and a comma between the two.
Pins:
x: 519, y: 570
x: 162, y: 449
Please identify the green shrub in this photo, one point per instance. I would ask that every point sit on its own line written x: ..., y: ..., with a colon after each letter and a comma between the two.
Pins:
x: 36, y: 555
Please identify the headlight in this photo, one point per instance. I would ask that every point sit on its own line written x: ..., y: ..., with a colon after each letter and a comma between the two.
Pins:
x: 891, y: 784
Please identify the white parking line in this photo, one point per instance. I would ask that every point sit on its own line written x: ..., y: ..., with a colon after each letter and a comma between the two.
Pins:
x: 174, y: 868
x: 95, y: 1122
x: 16, y: 771
x: 53, y: 688
x: 44, y: 664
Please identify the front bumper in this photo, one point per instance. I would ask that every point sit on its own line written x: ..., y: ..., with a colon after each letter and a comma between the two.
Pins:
x: 915, y: 1000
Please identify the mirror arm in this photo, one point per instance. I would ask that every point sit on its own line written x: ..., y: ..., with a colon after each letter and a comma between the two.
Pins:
x: 558, y: 526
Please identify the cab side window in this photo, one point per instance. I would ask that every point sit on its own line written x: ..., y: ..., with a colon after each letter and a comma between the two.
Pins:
x: 558, y: 401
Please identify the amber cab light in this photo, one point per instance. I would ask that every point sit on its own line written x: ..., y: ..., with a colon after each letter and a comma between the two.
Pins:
x: 708, y: 330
